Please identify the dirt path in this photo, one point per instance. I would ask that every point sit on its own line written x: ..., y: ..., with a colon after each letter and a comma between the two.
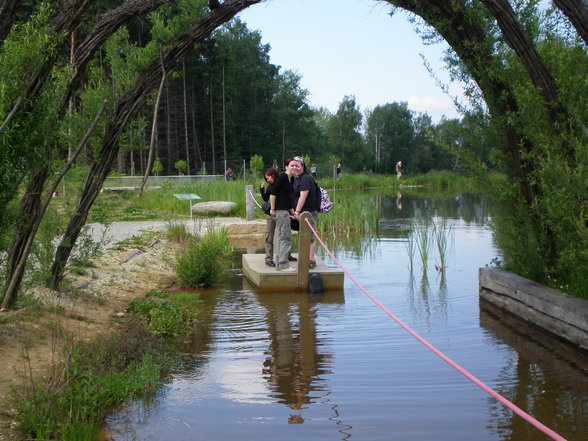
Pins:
x: 94, y: 303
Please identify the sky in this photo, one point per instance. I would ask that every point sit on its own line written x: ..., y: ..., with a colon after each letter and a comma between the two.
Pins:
x: 353, y: 47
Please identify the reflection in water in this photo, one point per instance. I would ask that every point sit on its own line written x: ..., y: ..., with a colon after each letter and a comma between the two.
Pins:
x: 295, y: 364
x: 427, y: 303
x: 551, y: 388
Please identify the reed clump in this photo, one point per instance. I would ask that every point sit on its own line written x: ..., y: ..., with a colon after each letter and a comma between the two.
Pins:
x: 204, y: 259
x: 424, y: 234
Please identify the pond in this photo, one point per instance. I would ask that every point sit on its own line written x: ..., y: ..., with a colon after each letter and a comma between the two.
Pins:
x: 334, y: 366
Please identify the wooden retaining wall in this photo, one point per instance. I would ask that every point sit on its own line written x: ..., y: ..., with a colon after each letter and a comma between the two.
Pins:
x: 552, y: 310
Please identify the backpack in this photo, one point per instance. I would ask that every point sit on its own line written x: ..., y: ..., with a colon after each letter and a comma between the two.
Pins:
x: 323, y: 201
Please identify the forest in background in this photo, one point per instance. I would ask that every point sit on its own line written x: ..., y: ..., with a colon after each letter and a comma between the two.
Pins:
x: 228, y: 102
x: 100, y: 83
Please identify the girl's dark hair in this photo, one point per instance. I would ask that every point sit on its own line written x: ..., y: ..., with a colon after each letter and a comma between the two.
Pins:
x: 271, y: 172
x: 287, y: 162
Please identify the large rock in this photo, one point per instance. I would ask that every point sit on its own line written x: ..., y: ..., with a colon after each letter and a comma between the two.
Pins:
x: 221, y: 207
x: 250, y: 228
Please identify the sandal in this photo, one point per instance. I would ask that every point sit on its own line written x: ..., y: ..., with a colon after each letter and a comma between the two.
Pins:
x: 311, y: 264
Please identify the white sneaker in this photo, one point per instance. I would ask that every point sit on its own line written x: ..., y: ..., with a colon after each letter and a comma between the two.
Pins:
x: 289, y: 269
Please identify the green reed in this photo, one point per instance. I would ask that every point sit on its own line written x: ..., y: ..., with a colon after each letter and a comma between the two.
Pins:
x: 352, y: 215
x: 410, y: 248
x: 423, y: 238
x: 443, y: 239
x: 424, y: 234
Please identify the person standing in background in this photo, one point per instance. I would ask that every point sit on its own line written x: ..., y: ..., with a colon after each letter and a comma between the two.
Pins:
x: 398, y: 169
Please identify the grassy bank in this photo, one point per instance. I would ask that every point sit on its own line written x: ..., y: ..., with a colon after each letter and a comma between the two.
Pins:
x: 94, y: 376
x: 106, y: 371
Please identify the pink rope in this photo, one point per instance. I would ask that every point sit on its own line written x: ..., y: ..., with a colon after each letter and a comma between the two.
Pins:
x: 445, y: 358
x: 253, y: 198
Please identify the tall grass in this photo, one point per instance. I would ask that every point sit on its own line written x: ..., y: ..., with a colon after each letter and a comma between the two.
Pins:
x: 351, y: 215
x: 425, y: 233
x: 204, y: 259
x: 423, y: 239
x: 443, y: 239
x: 410, y: 249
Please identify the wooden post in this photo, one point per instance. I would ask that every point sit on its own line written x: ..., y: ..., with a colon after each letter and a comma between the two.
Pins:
x: 249, y: 204
x: 303, y: 251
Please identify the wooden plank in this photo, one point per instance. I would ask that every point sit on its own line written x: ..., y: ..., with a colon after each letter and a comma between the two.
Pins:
x: 303, y: 251
x: 547, y: 308
x: 543, y: 298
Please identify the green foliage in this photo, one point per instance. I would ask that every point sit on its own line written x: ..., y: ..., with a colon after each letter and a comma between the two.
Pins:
x: 256, y: 166
x: 181, y: 166
x: 176, y: 232
x: 95, y: 376
x: 157, y: 168
x: 204, y: 259
x: 163, y: 317
x: 345, y: 139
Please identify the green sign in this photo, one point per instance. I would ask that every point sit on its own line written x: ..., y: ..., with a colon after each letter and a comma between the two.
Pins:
x: 186, y: 196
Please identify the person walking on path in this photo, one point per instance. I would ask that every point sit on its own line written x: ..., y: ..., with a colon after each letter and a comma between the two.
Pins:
x: 398, y: 169
x: 305, y: 199
x: 281, y: 200
x: 270, y: 175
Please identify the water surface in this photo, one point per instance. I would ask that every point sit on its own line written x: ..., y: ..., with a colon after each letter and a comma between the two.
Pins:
x: 291, y: 366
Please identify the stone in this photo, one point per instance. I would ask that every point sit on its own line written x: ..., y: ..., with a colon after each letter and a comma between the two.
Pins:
x: 221, y: 207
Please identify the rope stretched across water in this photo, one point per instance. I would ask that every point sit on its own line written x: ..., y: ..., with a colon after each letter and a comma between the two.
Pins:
x: 253, y: 198
x: 546, y: 430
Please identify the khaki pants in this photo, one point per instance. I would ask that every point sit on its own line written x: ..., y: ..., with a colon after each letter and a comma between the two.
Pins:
x: 283, y: 242
x: 270, y: 228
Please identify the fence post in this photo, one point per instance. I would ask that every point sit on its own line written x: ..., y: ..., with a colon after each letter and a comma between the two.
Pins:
x: 249, y: 204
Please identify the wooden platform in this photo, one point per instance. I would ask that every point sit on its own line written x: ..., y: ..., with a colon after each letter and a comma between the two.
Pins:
x: 266, y: 278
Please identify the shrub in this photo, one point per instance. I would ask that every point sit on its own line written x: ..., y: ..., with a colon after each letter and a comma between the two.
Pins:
x: 204, y: 259
x: 164, y: 318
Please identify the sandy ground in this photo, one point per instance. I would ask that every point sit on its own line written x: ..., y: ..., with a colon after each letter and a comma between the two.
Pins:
x: 93, y: 303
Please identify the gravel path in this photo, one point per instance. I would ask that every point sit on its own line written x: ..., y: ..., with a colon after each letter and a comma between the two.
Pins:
x: 119, y: 231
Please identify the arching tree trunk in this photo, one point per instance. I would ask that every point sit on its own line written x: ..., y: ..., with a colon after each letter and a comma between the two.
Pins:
x: 26, y: 234
x: 518, y: 39
x: 106, y: 25
x: 8, y: 10
x: 126, y: 108
x: 577, y: 13
x: 64, y: 23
